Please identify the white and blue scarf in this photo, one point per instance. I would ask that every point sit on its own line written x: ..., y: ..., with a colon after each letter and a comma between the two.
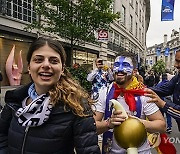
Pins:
x: 37, y: 112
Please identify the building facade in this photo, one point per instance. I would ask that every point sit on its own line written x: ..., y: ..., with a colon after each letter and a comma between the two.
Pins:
x: 129, y: 33
x: 126, y: 34
x: 165, y: 51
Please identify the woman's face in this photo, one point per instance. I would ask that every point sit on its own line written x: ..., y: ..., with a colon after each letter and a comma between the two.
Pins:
x: 45, y: 68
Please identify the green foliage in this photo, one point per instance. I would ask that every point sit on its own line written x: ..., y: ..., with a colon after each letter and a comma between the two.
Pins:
x: 159, y: 67
x: 73, y: 20
x: 80, y: 74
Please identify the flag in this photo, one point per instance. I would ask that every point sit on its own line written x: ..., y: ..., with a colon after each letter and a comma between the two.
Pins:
x: 158, y: 51
x: 166, y: 147
x: 161, y: 143
x: 167, y: 10
x: 166, y: 51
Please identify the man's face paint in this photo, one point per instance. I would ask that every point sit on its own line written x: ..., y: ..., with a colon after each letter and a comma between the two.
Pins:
x: 123, y: 64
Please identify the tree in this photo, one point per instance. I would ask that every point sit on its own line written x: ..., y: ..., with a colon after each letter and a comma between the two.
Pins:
x: 80, y: 74
x: 159, y: 67
x: 74, y: 20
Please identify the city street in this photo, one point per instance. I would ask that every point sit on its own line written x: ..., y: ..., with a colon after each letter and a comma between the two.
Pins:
x: 174, y: 137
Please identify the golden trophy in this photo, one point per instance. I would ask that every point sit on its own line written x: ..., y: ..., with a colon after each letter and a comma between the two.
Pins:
x: 131, y: 133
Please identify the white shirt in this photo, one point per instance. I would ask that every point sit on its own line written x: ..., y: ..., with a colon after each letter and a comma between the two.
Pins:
x: 147, y: 109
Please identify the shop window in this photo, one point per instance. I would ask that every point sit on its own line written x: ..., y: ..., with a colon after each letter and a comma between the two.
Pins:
x: 91, y: 58
x: 83, y: 57
x: 110, y: 61
x: 7, y: 43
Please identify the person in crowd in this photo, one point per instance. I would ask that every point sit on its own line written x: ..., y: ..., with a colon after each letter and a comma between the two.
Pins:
x: 156, y: 78
x: 100, y: 77
x: 129, y: 92
x: 167, y: 99
x: 149, y: 80
x: 53, y: 113
x: 137, y: 75
x: 169, y: 74
x: 173, y: 86
x: 142, y: 71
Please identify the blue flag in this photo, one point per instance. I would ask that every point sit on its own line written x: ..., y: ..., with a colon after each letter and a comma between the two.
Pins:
x: 158, y: 51
x: 167, y: 10
x: 166, y: 51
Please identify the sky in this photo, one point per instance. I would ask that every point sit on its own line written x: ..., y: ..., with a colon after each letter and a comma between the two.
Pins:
x: 157, y: 28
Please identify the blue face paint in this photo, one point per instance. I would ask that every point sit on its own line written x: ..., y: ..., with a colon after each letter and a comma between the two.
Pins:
x: 123, y: 64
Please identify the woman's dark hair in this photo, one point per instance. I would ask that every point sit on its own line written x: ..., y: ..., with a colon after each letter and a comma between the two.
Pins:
x: 54, y: 44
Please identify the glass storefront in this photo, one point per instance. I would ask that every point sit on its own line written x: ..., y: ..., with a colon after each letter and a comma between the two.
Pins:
x: 88, y: 58
x: 6, y: 45
x: 84, y: 58
x: 110, y: 61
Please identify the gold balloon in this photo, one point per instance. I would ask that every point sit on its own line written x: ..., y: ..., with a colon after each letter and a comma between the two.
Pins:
x: 131, y: 133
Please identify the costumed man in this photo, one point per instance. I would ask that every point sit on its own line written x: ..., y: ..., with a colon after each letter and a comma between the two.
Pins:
x: 167, y: 99
x: 100, y: 77
x: 129, y: 92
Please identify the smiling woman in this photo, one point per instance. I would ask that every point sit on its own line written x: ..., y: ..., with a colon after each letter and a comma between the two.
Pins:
x: 53, y: 102
x: 45, y: 68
